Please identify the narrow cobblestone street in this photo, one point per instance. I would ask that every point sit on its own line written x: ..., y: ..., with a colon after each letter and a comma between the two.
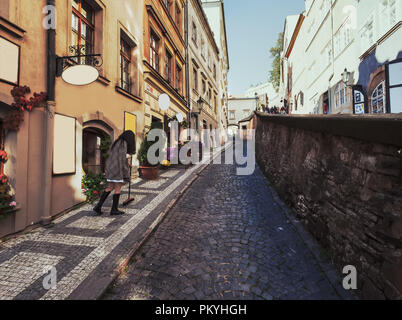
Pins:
x: 225, y: 239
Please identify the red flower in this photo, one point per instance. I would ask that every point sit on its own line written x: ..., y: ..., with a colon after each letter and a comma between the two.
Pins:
x: 95, y: 192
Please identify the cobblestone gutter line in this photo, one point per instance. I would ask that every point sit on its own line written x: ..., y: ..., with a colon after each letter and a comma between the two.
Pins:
x: 327, y: 269
x: 137, y: 246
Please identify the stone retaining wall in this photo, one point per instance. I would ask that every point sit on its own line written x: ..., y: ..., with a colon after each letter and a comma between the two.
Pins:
x: 342, y: 177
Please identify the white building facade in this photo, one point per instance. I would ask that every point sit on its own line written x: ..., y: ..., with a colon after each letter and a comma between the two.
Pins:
x: 335, y: 60
x: 239, y: 108
x: 204, y: 71
x: 267, y: 95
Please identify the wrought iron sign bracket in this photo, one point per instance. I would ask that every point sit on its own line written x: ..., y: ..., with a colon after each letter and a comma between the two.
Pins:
x: 78, y: 57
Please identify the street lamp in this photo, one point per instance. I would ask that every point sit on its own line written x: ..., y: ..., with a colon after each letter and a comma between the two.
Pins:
x: 76, y: 73
x: 200, y: 106
x: 346, y: 77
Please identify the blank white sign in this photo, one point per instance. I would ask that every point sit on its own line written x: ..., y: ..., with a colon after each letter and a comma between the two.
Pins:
x: 9, y: 61
x: 64, y: 145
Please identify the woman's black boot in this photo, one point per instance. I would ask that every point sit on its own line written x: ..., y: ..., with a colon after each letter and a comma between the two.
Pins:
x: 98, y: 207
x: 115, y: 211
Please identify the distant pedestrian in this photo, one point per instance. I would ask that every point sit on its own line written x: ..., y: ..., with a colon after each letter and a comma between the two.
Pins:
x: 117, y: 170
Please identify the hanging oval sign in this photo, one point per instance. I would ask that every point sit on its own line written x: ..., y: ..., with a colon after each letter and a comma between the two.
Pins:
x: 80, y: 75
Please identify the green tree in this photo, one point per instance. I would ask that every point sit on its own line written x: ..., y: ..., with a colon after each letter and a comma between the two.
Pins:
x: 275, y: 73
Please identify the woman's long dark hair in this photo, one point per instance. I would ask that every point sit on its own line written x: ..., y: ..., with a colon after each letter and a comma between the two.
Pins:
x: 129, y: 137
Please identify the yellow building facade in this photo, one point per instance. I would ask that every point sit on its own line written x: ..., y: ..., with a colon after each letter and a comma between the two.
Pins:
x: 81, y: 118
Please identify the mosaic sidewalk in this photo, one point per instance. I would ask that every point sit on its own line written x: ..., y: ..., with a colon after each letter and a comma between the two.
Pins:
x: 86, y: 251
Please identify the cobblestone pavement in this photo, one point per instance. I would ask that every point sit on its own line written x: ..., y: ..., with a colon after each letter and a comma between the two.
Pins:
x: 85, y: 250
x: 225, y: 239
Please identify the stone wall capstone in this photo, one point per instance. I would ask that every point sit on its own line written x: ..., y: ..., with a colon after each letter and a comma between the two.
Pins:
x: 342, y: 177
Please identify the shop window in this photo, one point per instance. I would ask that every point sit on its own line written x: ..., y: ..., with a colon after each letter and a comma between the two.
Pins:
x: 342, y: 95
x: 377, y: 104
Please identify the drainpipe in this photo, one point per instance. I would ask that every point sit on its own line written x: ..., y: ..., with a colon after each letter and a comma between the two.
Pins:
x: 187, y: 65
x: 48, y: 123
x: 333, y: 59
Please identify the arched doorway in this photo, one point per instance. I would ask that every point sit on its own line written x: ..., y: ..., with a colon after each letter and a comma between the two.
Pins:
x: 95, y: 147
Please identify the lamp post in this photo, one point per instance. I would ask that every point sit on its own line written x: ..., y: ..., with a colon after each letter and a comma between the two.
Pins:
x: 200, y: 106
x: 195, y: 114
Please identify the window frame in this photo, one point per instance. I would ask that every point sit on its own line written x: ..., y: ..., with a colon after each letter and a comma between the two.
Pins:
x: 388, y: 86
x: 168, y: 65
x: 154, y: 58
x: 91, y: 24
x: 194, y: 32
x: 178, y: 17
x: 179, y: 78
x: 232, y: 115
x: 377, y: 97
x: 168, y: 5
x: 127, y: 58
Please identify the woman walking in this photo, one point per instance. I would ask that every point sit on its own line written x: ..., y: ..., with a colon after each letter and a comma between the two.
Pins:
x: 117, y: 170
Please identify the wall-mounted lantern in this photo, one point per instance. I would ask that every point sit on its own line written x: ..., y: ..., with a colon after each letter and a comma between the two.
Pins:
x: 346, y: 77
x: 200, y: 106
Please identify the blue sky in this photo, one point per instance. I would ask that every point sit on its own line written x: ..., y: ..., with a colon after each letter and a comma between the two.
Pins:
x: 252, y: 29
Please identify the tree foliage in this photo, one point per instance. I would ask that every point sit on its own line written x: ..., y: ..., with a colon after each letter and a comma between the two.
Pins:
x: 275, y: 73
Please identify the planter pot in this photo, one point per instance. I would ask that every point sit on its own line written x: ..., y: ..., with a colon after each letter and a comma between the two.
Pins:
x: 149, y: 173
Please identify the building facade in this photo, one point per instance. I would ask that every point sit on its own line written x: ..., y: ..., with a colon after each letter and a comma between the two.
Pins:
x: 204, y: 69
x: 57, y: 145
x: 215, y: 12
x: 331, y: 51
x: 239, y: 108
x: 164, y: 60
x: 140, y: 50
x: 267, y: 95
